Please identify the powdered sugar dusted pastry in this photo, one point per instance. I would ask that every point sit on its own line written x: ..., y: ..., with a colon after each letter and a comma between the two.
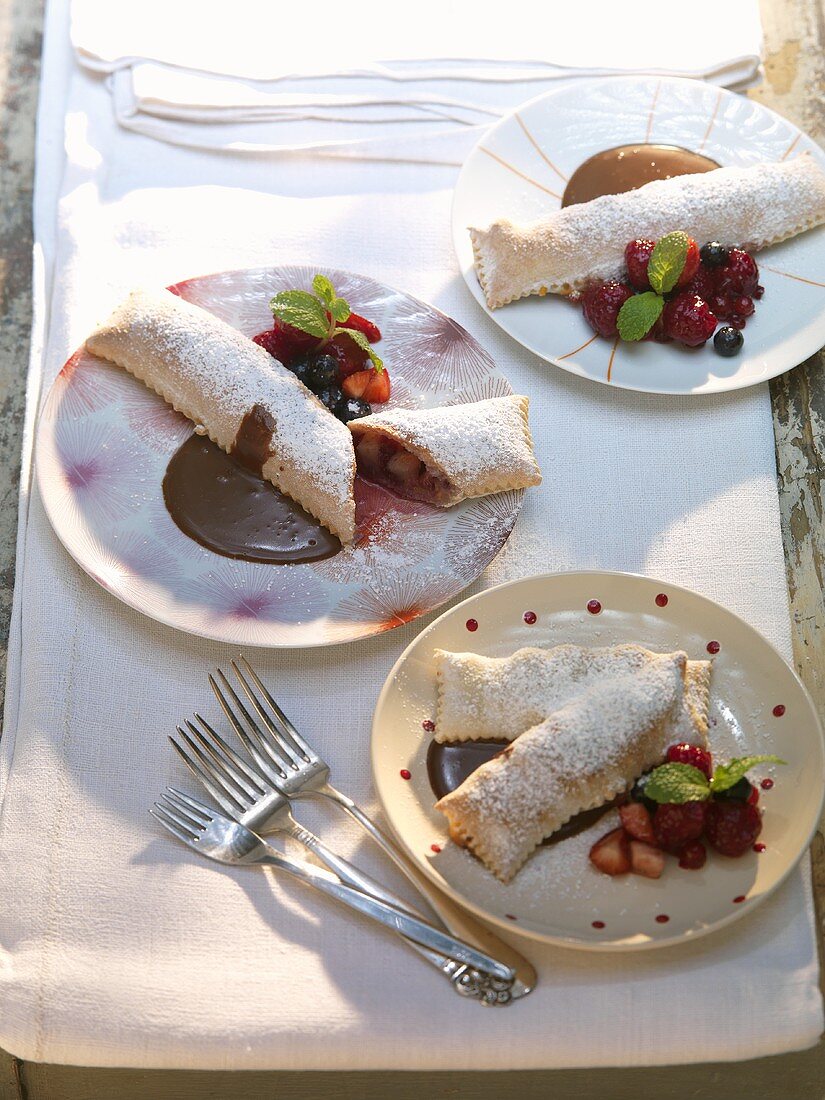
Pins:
x: 239, y: 396
x: 750, y: 207
x: 577, y: 758
x: 445, y: 455
x: 488, y: 697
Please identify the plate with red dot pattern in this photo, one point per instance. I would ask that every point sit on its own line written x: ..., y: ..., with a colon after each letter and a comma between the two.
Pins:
x: 520, y: 168
x: 757, y: 706
x: 104, y: 442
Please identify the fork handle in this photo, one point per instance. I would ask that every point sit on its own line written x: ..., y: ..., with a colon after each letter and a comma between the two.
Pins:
x: 453, y: 918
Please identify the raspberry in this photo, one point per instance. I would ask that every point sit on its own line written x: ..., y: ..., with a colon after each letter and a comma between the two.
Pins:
x: 674, y: 824
x: 350, y: 356
x: 740, y: 275
x: 722, y: 306
x: 601, y: 305
x: 703, y: 284
x: 688, y: 319
x: 743, y: 306
x: 636, y: 258
x: 285, y: 342
x: 760, y: 290
x: 732, y: 827
x: 691, y: 264
x: 693, y: 855
x: 695, y: 755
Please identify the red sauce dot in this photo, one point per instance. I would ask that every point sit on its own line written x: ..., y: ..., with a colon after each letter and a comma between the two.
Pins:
x: 713, y: 647
x: 766, y: 784
x: 510, y: 916
x: 778, y: 710
x: 661, y: 600
x: 530, y: 617
x: 598, y: 924
x: 759, y: 847
x: 428, y: 724
x: 740, y: 898
x: 435, y: 848
x: 471, y: 625
x: 594, y: 607
x: 405, y: 774
x: 663, y: 918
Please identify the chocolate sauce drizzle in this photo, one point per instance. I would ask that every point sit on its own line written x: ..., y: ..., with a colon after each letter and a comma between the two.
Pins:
x: 627, y: 167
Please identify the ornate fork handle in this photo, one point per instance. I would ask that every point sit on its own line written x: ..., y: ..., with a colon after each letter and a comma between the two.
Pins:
x: 456, y: 920
x: 466, y: 980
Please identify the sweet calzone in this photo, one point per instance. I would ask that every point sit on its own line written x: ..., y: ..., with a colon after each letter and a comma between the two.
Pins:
x: 445, y: 455
x: 750, y: 207
x: 494, y: 697
x: 240, y: 397
x: 579, y: 757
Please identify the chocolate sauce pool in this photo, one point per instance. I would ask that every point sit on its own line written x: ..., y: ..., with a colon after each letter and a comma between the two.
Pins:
x: 630, y: 166
x: 222, y: 502
x: 449, y: 764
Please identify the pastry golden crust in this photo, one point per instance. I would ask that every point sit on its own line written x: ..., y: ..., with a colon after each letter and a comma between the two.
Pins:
x: 489, y: 697
x: 215, y: 375
x: 751, y: 207
x: 577, y: 758
x: 448, y: 454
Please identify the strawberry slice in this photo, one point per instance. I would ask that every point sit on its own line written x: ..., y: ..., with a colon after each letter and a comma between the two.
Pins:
x: 611, y: 854
x: 691, y: 264
x: 362, y: 325
x: 370, y: 385
x: 646, y: 860
x: 637, y: 822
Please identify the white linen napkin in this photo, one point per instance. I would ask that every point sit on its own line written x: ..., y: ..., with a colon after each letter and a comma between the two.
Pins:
x: 245, y: 85
x: 118, y: 946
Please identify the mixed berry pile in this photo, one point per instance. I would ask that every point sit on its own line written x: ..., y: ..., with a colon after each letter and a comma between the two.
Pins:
x: 329, y: 348
x: 715, y: 807
x: 675, y: 290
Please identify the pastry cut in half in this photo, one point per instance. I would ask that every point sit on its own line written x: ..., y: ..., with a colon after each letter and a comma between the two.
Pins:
x: 751, y: 207
x: 501, y: 697
x: 580, y: 756
x: 445, y: 455
x: 239, y: 396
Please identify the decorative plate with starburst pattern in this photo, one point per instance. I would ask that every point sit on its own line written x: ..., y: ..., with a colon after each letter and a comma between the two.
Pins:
x: 519, y: 170
x: 104, y: 442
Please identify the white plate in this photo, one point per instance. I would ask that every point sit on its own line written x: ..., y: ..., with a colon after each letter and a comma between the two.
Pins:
x: 518, y: 170
x: 104, y: 442
x: 558, y: 895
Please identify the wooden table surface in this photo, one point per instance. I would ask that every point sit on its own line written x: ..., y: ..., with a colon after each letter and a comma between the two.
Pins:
x: 795, y: 86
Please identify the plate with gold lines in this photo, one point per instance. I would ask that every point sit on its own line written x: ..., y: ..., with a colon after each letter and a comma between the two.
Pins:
x: 521, y: 167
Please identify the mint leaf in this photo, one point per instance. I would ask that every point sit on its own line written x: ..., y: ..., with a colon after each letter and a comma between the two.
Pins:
x: 677, y: 783
x: 667, y: 261
x: 364, y: 344
x: 324, y: 289
x: 339, y: 309
x: 639, y: 314
x: 301, y: 310
x: 728, y: 775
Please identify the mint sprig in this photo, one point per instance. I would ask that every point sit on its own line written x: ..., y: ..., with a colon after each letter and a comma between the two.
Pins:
x: 639, y: 314
x: 683, y: 783
x: 667, y: 261
x: 322, y: 315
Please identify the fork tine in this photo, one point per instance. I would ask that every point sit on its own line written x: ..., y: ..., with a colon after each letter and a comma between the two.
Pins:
x: 204, y: 777
x: 214, y: 769
x: 282, y: 762
x: 182, y: 820
x: 159, y: 814
x: 287, y: 727
x: 277, y: 729
x: 195, y: 809
x: 224, y: 767
x: 230, y: 754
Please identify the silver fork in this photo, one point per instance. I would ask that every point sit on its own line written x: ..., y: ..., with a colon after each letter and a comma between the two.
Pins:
x: 220, y: 838
x: 287, y: 764
x: 248, y: 799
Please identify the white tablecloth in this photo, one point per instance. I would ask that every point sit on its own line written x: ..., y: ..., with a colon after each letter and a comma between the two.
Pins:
x: 117, y: 946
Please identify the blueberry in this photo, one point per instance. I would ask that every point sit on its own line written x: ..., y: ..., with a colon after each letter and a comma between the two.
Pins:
x: 351, y: 408
x: 301, y: 367
x: 330, y: 396
x: 714, y: 254
x: 739, y: 792
x: 728, y: 341
x: 323, y: 371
